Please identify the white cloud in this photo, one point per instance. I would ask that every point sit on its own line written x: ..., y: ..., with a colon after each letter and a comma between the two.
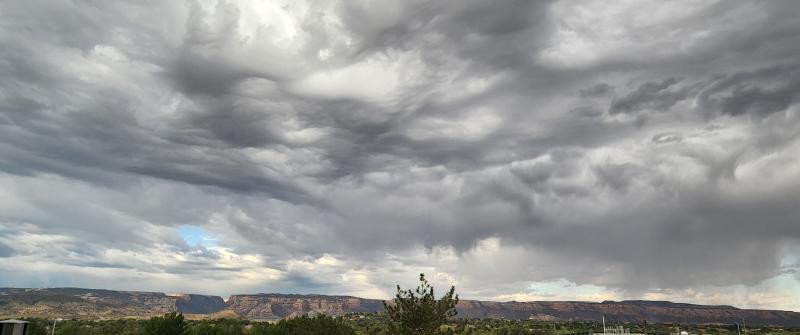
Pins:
x: 377, y: 79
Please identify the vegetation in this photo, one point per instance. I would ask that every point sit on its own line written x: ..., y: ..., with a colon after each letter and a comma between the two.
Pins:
x: 305, y: 325
x: 219, y: 327
x: 378, y: 324
x: 417, y: 312
x: 169, y: 324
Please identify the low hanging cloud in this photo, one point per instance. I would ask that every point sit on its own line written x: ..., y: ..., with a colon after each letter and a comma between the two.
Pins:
x: 342, y: 147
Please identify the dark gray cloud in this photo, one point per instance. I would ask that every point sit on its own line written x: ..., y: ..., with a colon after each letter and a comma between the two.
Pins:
x: 667, y: 138
x: 322, y: 141
x: 759, y: 93
x: 597, y: 90
x: 6, y: 251
x: 657, y: 96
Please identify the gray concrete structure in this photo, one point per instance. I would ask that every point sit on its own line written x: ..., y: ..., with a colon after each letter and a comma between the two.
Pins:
x: 13, y: 327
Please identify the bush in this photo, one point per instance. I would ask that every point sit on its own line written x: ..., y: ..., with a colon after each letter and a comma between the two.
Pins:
x: 169, y: 324
x: 305, y: 325
x: 217, y: 327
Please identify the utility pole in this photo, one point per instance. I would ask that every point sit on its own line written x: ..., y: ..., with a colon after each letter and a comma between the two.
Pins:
x: 744, y: 326
x: 54, y: 326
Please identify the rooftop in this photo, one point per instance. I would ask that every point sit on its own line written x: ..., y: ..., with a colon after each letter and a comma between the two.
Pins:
x: 13, y: 321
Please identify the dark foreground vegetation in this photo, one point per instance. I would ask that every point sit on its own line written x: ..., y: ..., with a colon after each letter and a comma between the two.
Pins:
x: 374, y: 324
x: 175, y: 324
x: 412, y: 312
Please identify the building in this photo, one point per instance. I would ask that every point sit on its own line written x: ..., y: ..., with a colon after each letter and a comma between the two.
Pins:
x: 13, y: 327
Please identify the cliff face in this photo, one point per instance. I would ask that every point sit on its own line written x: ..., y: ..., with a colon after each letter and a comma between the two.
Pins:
x: 199, y: 304
x: 276, y: 306
x: 93, y: 304
x: 626, y: 311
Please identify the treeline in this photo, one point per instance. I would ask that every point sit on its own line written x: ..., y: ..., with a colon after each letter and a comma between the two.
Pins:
x: 175, y: 324
x: 356, y: 324
x: 371, y: 324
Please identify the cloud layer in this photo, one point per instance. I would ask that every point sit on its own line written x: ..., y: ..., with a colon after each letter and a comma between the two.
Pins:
x: 519, y: 150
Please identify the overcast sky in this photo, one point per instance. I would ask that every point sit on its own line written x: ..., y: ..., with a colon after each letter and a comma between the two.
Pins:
x: 520, y: 150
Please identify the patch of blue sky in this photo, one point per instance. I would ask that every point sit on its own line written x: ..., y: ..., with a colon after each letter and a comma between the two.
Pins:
x: 791, y: 257
x: 197, y: 236
x: 563, y: 287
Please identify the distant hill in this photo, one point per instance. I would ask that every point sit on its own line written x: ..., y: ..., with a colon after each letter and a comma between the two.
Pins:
x: 100, y: 304
x: 93, y: 304
x: 627, y: 311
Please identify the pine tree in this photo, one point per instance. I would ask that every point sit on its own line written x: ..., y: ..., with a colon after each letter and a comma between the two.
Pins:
x: 417, y: 312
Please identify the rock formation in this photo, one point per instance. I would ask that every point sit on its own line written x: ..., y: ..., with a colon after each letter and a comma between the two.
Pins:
x: 276, y: 306
x: 94, y: 304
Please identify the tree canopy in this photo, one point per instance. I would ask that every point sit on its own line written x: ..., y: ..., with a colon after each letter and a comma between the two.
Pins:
x: 168, y: 324
x: 418, y: 312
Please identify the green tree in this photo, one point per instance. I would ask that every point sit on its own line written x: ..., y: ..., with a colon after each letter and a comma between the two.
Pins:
x: 261, y: 328
x: 169, y: 324
x: 73, y: 329
x: 417, y: 312
x: 229, y: 327
x: 37, y: 326
x: 203, y: 328
x: 305, y: 325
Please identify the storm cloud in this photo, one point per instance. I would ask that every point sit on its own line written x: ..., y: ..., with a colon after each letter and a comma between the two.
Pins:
x: 518, y: 149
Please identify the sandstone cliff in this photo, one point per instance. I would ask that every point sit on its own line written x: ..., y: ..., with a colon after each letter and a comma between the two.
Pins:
x: 276, y: 306
x: 93, y: 304
x: 626, y: 311
x: 199, y: 304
